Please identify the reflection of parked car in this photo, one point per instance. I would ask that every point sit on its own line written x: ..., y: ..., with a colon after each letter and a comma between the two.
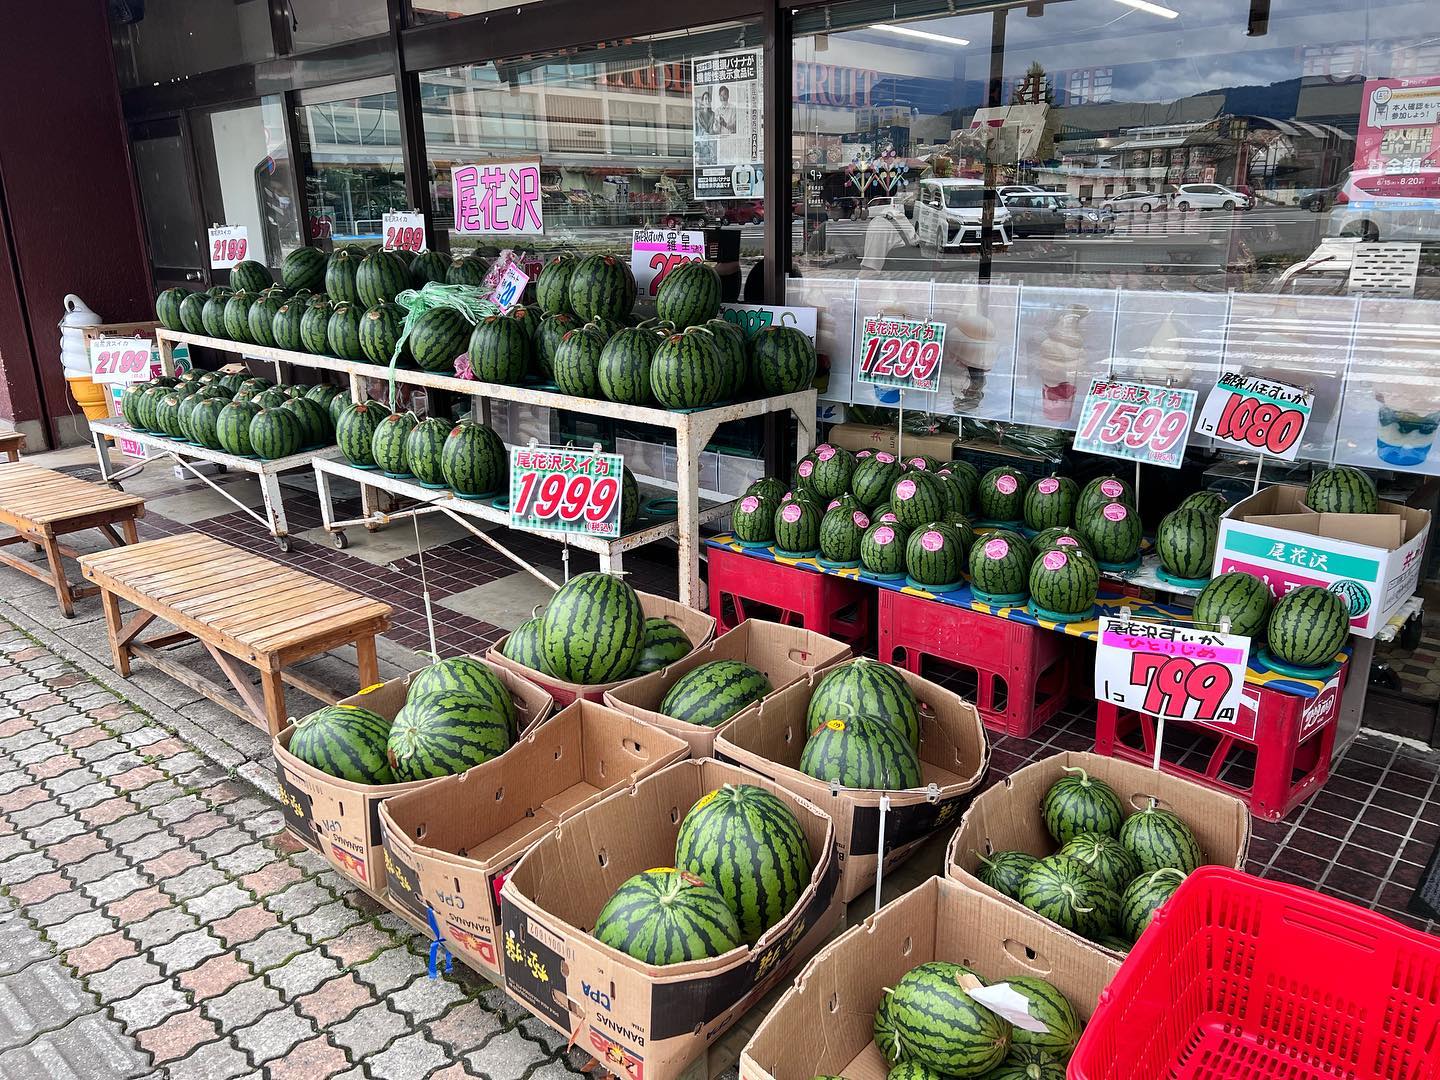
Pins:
x: 1317, y: 200
x: 891, y: 204
x: 1007, y: 190
x: 950, y: 213
x: 1034, y: 214
x: 1144, y: 201
x: 741, y: 213
x: 1210, y: 197
x: 1082, y: 218
x: 1375, y: 205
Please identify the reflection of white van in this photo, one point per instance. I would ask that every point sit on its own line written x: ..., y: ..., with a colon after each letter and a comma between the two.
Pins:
x: 949, y: 212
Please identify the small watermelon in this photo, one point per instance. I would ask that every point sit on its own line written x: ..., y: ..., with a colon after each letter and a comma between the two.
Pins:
x: 1001, y: 495
x: 1144, y: 896
x: 1050, y: 502
x: 1186, y: 543
x: 1107, y: 858
x: 710, y: 694
x: 1004, y: 870
x: 1158, y: 838
x: 1076, y: 805
x: 664, y: 644
x: 667, y: 916
x: 1066, y: 892
x: 1000, y: 566
x: 753, y: 519
x: 1307, y: 627
x: 444, y: 733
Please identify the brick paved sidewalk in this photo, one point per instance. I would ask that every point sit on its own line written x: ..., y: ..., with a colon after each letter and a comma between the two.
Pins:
x: 157, y: 921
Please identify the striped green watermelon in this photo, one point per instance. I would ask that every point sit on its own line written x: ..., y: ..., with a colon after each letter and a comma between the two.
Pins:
x: 782, y: 360
x: 387, y: 444
x: 167, y: 415
x: 1186, y: 543
x: 1050, y: 503
x: 689, y: 295
x: 753, y: 519
x: 959, y: 497
x: 917, y: 499
x: 237, y: 315
x: 623, y: 373
x: 355, y: 431
x: 769, y: 486
x: 1066, y: 892
x: 1307, y: 627
x: 315, y: 326
x: 866, y: 687
x: 146, y: 405
x: 1105, y: 856
x: 276, y: 433
x: 205, y: 422
x: 552, y: 287
x: 686, y: 371
x: 191, y: 313
x: 342, y: 332
x: 730, y: 343
x: 187, y: 406
x: 212, y: 315
x: 380, y: 332
x: 523, y: 645
x: 1102, y: 490
x: 666, y: 916
x: 873, y: 478
x: 941, y: 1026
x: 593, y: 630
x: 1001, y: 495
x: 466, y: 270
x: 251, y: 276
x: 1144, y: 896
x: 340, y: 276
x: 797, y: 527
x: 428, y: 266
x: 863, y: 752
x: 1076, y: 805
x: 272, y: 398
x: 1000, y: 565
x: 1113, y: 532
x: 423, y: 448
x: 882, y: 548
x: 913, y: 1070
x: 1158, y: 838
x: 167, y: 308
x: 1212, y: 502
x: 444, y: 733
x: 500, y: 350
x: 1064, y: 581
x: 576, y: 366
x: 1048, y: 1005
x: 130, y: 403
x: 467, y: 675
x: 285, y: 326
x: 748, y: 844
x: 1029, y: 1063
x: 315, y: 427
x: 601, y: 285
x: 551, y: 332
x: 840, y: 532
x: 935, y: 555
x: 304, y: 268
x: 710, y: 694
x: 437, y: 337
x: 664, y: 644
x: 380, y: 277
x: 232, y: 428
x: 344, y: 741
x: 1058, y: 536
x: 887, y: 1039
x: 473, y: 460
x: 1235, y: 595
x: 834, y: 466
x: 1004, y: 870
x: 1342, y: 490
x: 337, y: 405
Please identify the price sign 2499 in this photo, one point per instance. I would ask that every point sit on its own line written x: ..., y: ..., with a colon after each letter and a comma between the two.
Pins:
x: 562, y: 490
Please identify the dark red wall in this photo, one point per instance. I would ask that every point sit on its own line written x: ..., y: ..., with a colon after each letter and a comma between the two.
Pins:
x: 69, y: 197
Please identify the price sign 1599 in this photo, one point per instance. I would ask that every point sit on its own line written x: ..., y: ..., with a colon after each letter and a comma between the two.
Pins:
x: 1136, y: 421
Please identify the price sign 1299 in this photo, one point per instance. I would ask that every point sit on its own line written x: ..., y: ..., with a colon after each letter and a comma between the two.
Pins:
x: 903, y: 353
x: 562, y: 490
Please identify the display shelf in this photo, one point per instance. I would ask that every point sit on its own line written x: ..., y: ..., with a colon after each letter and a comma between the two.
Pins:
x: 184, y: 454
x: 693, y: 430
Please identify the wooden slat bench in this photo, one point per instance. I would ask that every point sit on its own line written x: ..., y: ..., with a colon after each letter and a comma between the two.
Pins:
x: 11, y: 443
x: 246, y: 610
x: 42, y: 505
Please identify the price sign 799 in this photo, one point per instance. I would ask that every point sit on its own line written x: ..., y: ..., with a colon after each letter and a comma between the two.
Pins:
x: 903, y: 353
x: 562, y: 490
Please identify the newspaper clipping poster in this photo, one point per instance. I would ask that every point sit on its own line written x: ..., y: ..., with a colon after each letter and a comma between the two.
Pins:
x: 729, y: 126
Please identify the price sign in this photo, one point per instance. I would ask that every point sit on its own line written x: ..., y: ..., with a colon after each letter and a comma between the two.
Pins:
x: 1171, y: 672
x: 404, y: 230
x: 511, y: 287
x: 229, y: 244
x: 1256, y: 414
x: 555, y: 489
x: 654, y: 253
x: 903, y: 353
x: 119, y: 359
x: 1136, y: 421
x: 752, y: 318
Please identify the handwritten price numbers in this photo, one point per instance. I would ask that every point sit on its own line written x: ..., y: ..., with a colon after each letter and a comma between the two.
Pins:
x: 1136, y: 421
x: 564, y: 490
x: 662, y: 262
x: 570, y: 499
x: 655, y: 253
x: 1172, y: 672
x: 404, y: 230
x: 511, y: 287
x: 1128, y: 423
x: 119, y: 360
x: 1177, y: 685
x: 1264, y: 425
x: 229, y: 244
x: 903, y: 353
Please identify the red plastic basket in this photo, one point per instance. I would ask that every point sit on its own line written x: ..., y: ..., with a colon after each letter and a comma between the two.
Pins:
x: 1243, y: 978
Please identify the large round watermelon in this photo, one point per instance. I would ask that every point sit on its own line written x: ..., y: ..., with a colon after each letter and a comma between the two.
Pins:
x: 304, y: 268
x: 942, y: 1027
x: 1186, y: 543
x: 500, y: 350
x: 1000, y: 565
x: 576, y: 363
x: 551, y: 332
x: 1076, y: 804
x: 1064, y: 581
x: 601, y: 285
x: 380, y: 332
x: 552, y: 287
x: 753, y: 519
x: 623, y: 373
x: 1307, y: 627
x: 344, y: 741
x: 686, y: 371
x: 665, y: 917
x: 917, y: 498
x: 428, y: 266
x: 834, y: 466
x: 1235, y: 595
x: 935, y: 555
x: 730, y: 343
x: 423, y: 449
x: 1001, y: 495
x: 251, y: 276
x: 387, y: 445
x: 276, y: 433
x: 443, y: 733
x: 380, y: 277
x: 467, y: 674
x: 473, y: 460
x: 315, y: 325
x: 861, y: 752
x: 340, y: 275
x: 873, y: 478
x: 712, y: 693
x: 232, y: 427
x: 1113, y: 532
x: 315, y: 427
x: 1050, y: 502
x: 797, y: 527
x: 1066, y: 892
x: 782, y: 359
x: 959, y: 494
x: 355, y: 432
x: 1342, y: 490
x: 593, y: 630
x: 437, y: 337
x: 866, y: 688
x: 689, y: 295
x: 664, y: 644
x: 466, y: 269
x: 882, y: 548
x: 342, y: 331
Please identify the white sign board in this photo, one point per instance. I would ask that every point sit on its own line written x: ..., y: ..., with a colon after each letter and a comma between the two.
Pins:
x: 403, y: 230
x: 1172, y: 672
x: 229, y: 244
x: 119, y: 359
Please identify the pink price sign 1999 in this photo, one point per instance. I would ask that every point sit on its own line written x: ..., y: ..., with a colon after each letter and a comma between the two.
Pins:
x: 903, y: 353
x: 1136, y: 421
x: 557, y: 489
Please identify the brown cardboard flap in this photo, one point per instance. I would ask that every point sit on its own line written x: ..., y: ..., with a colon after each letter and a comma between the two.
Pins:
x: 1374, y: 530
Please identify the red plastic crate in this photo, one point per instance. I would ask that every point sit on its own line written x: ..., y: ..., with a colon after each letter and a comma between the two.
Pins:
x: 837, y: 607
x: 1244, y: 978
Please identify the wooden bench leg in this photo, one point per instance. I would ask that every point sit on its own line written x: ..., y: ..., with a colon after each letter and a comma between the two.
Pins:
x: 119, y: 652
x: 57, y: 571
x: 128, y: 527
x: 365, y: 656
x: 272, y: 691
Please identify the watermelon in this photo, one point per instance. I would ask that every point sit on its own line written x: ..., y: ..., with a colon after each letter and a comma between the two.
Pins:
x: 523, y: 645
x: 380, y: 332
x: 1066, y: 892
x: 130, y: 403
x: 205, y: 422
x: 1058, y: 536
x: 730, y: 343
x: 959, y: 496
x: 444, y: 733
x: 782, y: 359
x: 1050, y: 502
x: 466, y: 270
x: 1076, y: 805
x: 473, y: 460
x: 548, y: 336
x: 686, y: 371
x: 167, y: 415
x: 340, y: 276
x: 387, y: 444
x: 251, y: 276
x: 1004, y: 870
x: 304, y: 268
x: 315, y: 427
x: 355, y: 432
x: 913, y: 1070
x: 1235, y: 595
x: 191, y: 313
x: 272, y: 398
x: 232, y: 428
x: 146, y: 404
x: 428, y: 266
x: 887, y: 1039
x: 1342, y: 490
x: 285, y: 326
x: 864, y: 752
x: 576, y: 363
x: 1158, y: 838
x: 423, y: 448
x: 315, y: 325
x: 882, y: 548
x: 600, y: 285
x: 1212, y: 502
x: 342, y: 332
x: 500, y: 350
x: 1186, y: 543
x: 1105, y: 856
x: 1047, y: 1004
x: 769, y: 486
x: 797, y: 528
x: 841, y: 530
x: 747, y: 843
x: 1015, y: 1067
x: 237, y: 315
x: 552, y: 287
x: 276, y: 432
x: 935, y: 555
x: 1001, y: 495
x: 712, y: 693
x: 1102, y: 490
x: 468, y: 675
x: 437, y: 337
x: 1307, y: 627
x: 1064, y: 581
x: 337, y: 405
x: 667, y: 916
x: 380, y: 277
x: 344, y: 741
x: 212, y: 315
x: 866, y: 688
x: 593, y: 630
x: 1144, y: 896
x: 689, y: 295
x: 834, y: 467
x: 916, y: 499
x: 167, y: 308
x: 664, y: 644
x: 1113, y: 532
x: 1000, y: 566
x: 941, y: 1026
x: 753, y: 519
x: 623, y: 372
x: 873, y: 478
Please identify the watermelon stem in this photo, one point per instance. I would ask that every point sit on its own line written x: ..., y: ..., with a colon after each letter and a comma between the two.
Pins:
x: 1084, y: 776
x: 1069, y: 891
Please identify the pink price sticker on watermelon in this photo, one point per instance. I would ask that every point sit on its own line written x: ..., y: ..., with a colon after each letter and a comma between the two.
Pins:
x: 1054, y: 560
x: 806, y: 468
x: 884, y: 458
x: 1112, y: 489
x: 860, y: 520
x: 832, y: 504
x: 1048, y: 486
x: 883, y: 536
x: 825, y: 453
x: 749, y: 504
x: 905, y: 489
x: 791, y: 513
x: 1066, y: 541
x: 932, y: 540
x: 997, y: 548
x: 1115, y: 511
x: 918, y: 463
x: 1006, y: 484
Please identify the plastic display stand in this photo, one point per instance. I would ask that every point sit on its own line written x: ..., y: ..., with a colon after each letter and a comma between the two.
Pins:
x: 834, y: 606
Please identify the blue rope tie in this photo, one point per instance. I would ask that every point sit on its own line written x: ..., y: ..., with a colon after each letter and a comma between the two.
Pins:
x: 437, y: 947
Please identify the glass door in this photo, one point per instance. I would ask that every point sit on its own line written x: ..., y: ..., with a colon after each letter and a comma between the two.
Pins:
x: 169, y: 201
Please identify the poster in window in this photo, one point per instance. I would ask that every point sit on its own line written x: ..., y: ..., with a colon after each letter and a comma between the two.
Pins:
x: 729, y: 126
x: 1397, y: 148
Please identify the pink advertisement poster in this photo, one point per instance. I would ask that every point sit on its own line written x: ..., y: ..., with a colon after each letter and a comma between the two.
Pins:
x: 1397, y: 148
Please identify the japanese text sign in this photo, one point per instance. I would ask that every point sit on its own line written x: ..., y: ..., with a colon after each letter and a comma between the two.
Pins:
x: 555, y: 489
x: 498, y: 197
x: 1171, y: 672
x: 752, y: 318
x: 1136, y: 421
x: 656, y: 252
x: 1248, y: 412
x: 903, y: 353
x: 229, y: 244
x: 119, y: 359
x: 404, y: 230
x: 511, y: 287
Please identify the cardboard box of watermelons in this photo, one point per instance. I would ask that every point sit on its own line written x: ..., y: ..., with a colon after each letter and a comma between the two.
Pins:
x: 449, y: 843
x: 824, y: 1025
x: 1007, y: 817
x: 782, y: 653
x: 639, y: 1020
x: 954, y: 756
x: 340, y: 818
x: 697, y: 626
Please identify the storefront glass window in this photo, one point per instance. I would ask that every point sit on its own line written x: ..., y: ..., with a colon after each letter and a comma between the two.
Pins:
x: 170, y: 220
x: 161, y: 40
x: 315, y: 23
x: 253, y: 172
x: 353, y: 169
x: 423, y: 11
